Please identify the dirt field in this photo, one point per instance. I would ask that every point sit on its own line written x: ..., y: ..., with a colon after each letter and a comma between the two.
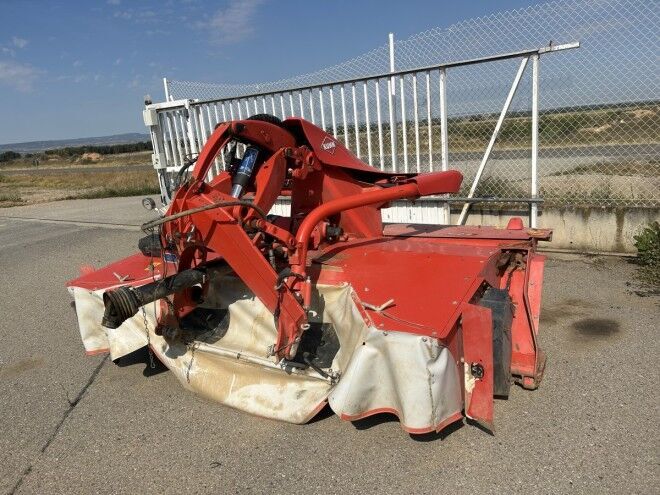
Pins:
x: 22, y: 182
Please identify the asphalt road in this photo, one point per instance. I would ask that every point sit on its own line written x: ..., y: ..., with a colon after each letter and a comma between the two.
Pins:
x: 76, y: 424
x: 516, y: 163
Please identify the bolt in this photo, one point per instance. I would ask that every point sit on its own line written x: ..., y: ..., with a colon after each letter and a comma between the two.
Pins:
x: 477, y: 370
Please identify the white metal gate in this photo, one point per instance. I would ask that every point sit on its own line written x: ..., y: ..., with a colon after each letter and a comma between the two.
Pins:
x: 395, y: 121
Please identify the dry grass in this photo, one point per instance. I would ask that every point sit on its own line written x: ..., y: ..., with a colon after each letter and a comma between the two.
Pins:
x: 626, y: 124
x: 27, y: 188
x: 7, y: 200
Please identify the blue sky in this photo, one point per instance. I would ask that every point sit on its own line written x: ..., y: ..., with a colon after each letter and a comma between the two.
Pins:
x: 81, y: 68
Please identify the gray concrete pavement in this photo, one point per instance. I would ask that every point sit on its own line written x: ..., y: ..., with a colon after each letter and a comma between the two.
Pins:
x: 75, y: 424
x: 120, y: 212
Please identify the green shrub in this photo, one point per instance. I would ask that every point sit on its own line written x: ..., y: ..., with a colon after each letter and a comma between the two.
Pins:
x: 648, y: 256
x: 8, y: 156
x: 648, y: 245
x: 110, y: 149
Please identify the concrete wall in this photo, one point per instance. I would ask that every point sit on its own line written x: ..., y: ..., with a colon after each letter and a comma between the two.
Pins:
x: 581, y: 229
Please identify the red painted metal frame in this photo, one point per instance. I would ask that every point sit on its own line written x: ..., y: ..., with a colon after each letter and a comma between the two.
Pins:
x: 477, y: 330
x: 220, y: 232
x: 433, y: 276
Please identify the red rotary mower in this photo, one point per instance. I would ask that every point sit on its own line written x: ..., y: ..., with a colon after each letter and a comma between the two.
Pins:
x: 281, y: 315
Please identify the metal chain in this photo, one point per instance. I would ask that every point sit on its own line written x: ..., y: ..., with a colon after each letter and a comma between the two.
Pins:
x: 192, y: 347
x: 152, y: 363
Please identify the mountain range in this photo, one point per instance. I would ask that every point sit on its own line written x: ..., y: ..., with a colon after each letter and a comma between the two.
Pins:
x: 37, y: 146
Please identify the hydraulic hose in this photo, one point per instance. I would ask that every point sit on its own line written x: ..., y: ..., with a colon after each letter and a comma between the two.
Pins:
x: 221, y: 204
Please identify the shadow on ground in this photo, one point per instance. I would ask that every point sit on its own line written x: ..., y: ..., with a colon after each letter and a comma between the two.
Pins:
x: 142, y: 357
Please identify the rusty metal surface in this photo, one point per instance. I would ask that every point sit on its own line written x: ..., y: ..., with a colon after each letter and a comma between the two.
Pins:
x: 462, y: 232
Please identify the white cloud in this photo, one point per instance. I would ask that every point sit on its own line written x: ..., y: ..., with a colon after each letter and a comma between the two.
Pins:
x: 114, y: 2
x: 126, y: 14
x: 8, y: 51
x: 233, y: 23
x: 77, y: 63
x: 18, y: 76
x: 118, y: 61
x: 19, y: 42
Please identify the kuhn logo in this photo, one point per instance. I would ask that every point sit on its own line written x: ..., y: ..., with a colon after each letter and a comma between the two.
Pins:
x: 329, y: 145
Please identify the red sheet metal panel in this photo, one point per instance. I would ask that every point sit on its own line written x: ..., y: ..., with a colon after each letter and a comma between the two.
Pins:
x: 133, y: 270
x: 426, y: 280
x: 478, y: 364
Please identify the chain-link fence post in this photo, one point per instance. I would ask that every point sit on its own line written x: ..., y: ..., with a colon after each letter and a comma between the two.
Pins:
x: 444, y: 140
x: 533, y: 207
x: 391, y: 94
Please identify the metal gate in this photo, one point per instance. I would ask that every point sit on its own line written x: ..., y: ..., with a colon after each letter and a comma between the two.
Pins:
x: 395, y: 121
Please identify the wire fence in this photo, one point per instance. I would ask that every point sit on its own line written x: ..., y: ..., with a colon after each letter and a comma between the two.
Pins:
x: 599, y: 106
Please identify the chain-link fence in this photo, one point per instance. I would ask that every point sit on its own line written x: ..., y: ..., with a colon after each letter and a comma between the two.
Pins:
x: 599, y: 109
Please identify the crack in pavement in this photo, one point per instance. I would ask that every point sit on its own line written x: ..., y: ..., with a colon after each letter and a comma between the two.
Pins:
x: 58, y: 427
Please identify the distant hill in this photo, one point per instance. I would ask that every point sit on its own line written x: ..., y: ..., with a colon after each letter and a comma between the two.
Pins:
x: 37, y: 146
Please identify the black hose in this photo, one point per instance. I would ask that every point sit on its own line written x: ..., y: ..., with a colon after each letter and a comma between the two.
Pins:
x: 221, y: 204
x: 184, y: 168
x: 284, y: 274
